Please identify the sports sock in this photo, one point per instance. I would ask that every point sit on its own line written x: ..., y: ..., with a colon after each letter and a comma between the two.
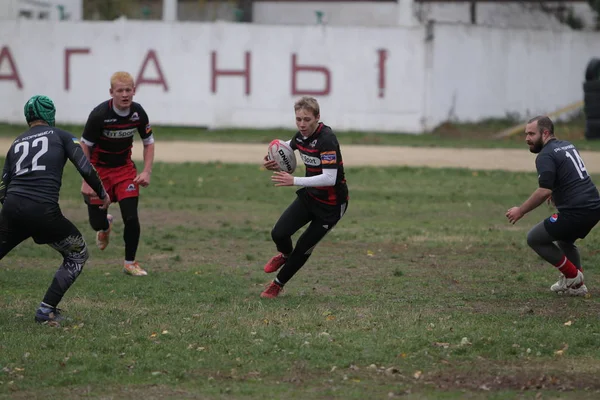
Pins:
x: 567, y: 268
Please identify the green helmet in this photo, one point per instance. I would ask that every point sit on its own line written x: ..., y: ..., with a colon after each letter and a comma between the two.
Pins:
x: 40, y: 108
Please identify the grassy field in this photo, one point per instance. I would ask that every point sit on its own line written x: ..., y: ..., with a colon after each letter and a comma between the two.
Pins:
x: 475, y: 135
x: 422, y: 291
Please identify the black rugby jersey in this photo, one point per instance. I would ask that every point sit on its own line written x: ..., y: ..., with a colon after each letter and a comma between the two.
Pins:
x: 561, y: 169
x: 322, y: 151
x: 35, y: 162
x: 111, y: 135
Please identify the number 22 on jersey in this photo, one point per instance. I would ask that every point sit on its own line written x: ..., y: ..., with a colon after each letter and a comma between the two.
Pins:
x: 39, y: 147
x: 577, y: 163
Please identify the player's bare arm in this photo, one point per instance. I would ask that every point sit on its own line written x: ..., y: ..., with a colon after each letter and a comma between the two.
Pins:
x: 90, y: 176
x: 143, y: 179
x: 538, y: 197
x: 85, y: 188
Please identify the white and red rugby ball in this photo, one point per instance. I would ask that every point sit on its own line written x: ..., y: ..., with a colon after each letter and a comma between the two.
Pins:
x: 281, y: 152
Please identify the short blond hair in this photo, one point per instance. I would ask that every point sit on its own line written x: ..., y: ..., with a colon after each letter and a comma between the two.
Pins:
x: 308, y: 103
x: 121, y: 76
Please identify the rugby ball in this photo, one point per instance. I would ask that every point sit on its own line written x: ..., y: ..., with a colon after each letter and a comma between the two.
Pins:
x: 281, y: 152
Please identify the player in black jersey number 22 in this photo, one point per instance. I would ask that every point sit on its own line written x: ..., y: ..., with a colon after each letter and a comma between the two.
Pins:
x: 322, y: 201
x: 564, y: 181
x: 29, y: 192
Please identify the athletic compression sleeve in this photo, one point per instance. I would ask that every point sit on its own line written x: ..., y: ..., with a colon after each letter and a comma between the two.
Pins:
x: 327, y: 178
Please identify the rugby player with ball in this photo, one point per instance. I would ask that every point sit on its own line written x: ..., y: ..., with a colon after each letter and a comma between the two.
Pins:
x: 322, y: 199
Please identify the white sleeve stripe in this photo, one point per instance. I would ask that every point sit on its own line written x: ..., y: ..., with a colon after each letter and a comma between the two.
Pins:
x: 148, y: 140
x: 87, y: 142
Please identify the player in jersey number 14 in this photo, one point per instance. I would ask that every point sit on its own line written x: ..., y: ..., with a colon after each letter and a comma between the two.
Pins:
x: 564, y: 182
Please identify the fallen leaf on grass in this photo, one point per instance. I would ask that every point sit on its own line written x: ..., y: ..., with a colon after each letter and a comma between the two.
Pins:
x: 568, y: 323
x: 562, y: 351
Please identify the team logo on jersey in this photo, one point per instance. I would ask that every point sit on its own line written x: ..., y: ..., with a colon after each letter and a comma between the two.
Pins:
x: 130, y: 188
x: 313, y: 143
x: 312, y: 161
x: 553, y: 218
x: 328, y: 157
x: 148, y: 129
x: 135, y: 117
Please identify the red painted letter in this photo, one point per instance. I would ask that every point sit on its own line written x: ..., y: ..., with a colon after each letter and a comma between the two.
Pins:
x: 229, y: 72
x: 152, y: 81
x: 14, y: 76
x: 68, y: 53
x: 381, y: 81
x: 309, y: 68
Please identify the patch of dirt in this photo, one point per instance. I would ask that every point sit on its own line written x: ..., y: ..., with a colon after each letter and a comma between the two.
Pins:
x: 489, y: 378
x: 133, y: 392
x: 358, y: 155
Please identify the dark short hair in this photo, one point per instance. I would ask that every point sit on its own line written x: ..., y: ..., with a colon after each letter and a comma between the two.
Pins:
x: 543, y: 123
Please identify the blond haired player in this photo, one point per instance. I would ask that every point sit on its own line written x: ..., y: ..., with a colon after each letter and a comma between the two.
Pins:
x: 107, y: 141
x: 320, y: 203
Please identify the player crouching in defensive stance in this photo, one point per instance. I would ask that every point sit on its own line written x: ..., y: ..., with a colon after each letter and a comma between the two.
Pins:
x: 29, y: 191
x: 107, y: 140
x: 564, y: 180
x: 322, y: 201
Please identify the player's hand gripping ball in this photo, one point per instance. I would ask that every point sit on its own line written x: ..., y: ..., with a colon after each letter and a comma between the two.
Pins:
x: 283, y: 154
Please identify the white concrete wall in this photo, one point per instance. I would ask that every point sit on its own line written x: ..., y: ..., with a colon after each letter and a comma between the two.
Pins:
x: 367, y: 79
x: 480, y: 72
x: 406, y: 12
x: 334, y: 13
x: 364, y: 92
x: 515, y: 14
